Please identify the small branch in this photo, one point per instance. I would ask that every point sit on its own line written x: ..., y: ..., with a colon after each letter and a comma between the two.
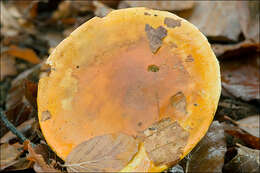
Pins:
x: 11, y: 127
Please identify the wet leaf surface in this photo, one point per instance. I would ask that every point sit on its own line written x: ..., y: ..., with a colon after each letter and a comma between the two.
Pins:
x: 250, y: 125
x: 107, y: 153
x: 208, y: 155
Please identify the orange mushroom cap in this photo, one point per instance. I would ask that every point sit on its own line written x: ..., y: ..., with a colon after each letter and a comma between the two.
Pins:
x: 122, y: 73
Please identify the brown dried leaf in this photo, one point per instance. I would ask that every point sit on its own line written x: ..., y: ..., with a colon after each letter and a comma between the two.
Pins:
x: 217, y: 19
x: 164, y: 141
x: 8, y: 155
x: 155, y: 36
x: 36, y: 154
x: 162, y: 5
x: 23, y: 128
x: 246, y: 160
x: 249, y: 19
x: 208, y: 155
x: 8, y: 67
x: 241, y: 77
x: 250, y: 125
x: 227, y: 51
x: 107, y: 153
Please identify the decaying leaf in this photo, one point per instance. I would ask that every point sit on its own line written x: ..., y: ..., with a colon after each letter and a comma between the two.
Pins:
x: 23, y: 128
x: 233, y: 50
x: 164, y: 141
x: 23, y: 53
x: 217, y: 19
x: 246, y: 160
x: 7, y: 66
x: 208, y: 155
x: 155, y: 36
x: 107, y: 153
x: 250, y: 125
x: 249, y: 19
x: 9, y: 154
x: 176, y: 169
x: 241, y: 77
x: 172, y: 23
x: 162, y: 5
x: 35, y: 155
x: 239, y: 135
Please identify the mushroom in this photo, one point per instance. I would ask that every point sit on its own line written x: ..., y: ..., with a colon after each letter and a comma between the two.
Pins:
x: 132, y: 71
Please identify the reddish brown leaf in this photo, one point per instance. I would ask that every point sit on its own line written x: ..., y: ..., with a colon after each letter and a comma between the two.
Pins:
x: 240, y: 77
x: 208, y: 155
x: 35, y: 155
x: 164, y: 141
x: 250, y: 124
x: 107, y: 153
x: 233, y: 50
x: 23, y: 53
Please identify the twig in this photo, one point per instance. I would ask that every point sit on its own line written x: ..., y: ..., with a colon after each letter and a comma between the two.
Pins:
x: 11, y: 127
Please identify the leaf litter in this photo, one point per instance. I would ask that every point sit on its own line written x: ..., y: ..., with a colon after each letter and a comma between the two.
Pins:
x: 29, y: 30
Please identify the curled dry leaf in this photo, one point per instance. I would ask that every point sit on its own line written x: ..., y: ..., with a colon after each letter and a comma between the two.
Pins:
x: 250, y: 125
x: 107, y: 153
x: 36, y: 154
x: 217, y: 19
x: 240, y: 78
x: 208, y: 155
x: 228, y: 51
x: 246, y: 160
x: 23, y: 53
x: 7, y: 66
x: 164, y: 141
x: 9, y: 154
x: 162, y: 5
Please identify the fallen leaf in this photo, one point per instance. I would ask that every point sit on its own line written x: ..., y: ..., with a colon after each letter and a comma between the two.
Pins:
x: 155, y: 36
x: 249, y: 19
x: 250, y: 125
x: 240, y: 77
x: 101, y: 10
x: 246, y: 160
x: 107, y: 153
x: 20, y: 164
x: 35, y: 155
x: 218, y: 20
x: 176, y: 169
x: 241, y: 136
x: 164, y: 141
x: 233, y: 50
x: 8, y: 156
x: 172, y: 23
x: 208, y: 155
x: 23, y: 128
x: 162, y: 5
x: 7, y: 66
x: 235, y: 109
x: 23, y: 53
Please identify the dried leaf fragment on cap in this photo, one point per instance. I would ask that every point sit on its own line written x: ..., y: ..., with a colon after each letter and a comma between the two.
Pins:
x: 107, y: 153
x: 164, y: 141
x: 172, y: 23
x: 155, y: 36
